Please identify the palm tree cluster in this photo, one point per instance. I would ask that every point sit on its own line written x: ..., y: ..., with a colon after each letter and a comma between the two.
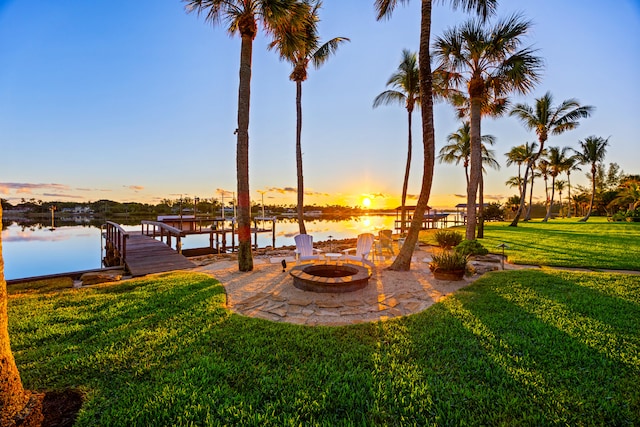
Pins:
x: 293, y: 27
x: 553, y: 162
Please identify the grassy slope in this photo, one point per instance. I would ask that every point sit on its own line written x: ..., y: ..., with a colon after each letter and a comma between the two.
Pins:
x: 529, y: 347
x: 596, y: 244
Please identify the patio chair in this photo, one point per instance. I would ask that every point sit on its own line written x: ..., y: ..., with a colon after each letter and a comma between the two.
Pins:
x: 385, y: 241
x: 304, y: 248
x: 363, y: 249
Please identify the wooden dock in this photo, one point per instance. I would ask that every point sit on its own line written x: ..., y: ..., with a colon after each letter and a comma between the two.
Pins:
x: 146, y: 255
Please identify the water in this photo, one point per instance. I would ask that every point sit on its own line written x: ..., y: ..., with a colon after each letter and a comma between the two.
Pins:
x: 40, y: 250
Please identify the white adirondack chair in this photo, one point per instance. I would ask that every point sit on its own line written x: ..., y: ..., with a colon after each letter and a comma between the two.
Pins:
x: 304, y: 248
x: 363, y: 249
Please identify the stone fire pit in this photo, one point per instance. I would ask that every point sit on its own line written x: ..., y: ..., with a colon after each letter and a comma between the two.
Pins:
x: 330, y: 277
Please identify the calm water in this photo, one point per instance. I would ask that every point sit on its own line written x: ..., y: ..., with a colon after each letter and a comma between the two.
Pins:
x: 40, y: 250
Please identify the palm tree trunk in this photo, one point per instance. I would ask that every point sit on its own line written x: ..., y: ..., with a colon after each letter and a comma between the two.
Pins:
x: 13, y: 398
x: 553, y: 190
x: 466, y: 173
x: 301, y: 226
x: 403, y: 260
x: 245, y: 259
x: 527, y: 217
x: 569, y: 194
x: 481, y: 208
x: 523, y: 193
x: 476, y: 168
x: 405, y: 184
x: 593, y: 194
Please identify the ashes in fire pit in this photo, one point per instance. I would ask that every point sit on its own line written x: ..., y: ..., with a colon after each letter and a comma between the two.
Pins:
x: 330, y: 277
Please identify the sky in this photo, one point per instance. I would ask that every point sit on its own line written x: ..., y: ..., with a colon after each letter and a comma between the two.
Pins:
x: 137, y: 101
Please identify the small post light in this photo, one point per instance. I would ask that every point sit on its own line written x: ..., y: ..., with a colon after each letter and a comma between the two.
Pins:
x: 330, y: 243
x: 503, y: 246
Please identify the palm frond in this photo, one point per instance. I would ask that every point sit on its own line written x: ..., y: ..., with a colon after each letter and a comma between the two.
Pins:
x: 390, y: 97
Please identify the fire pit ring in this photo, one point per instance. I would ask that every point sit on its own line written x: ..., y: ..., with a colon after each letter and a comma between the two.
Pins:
x: 330, y: 277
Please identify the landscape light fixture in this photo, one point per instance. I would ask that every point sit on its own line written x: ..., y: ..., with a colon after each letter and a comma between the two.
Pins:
x: 503, y: 246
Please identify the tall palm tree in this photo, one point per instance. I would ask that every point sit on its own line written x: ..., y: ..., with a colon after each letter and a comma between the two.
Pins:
x: 556, y: 158
x: 534, y: 174
x: 384, y: 9
x: 460, y: 149
x: 571, y: 164
x: 406, y: 91
x: 14, y: 399
x: 560, y: 185
x: 543, y: 167
x: 593, y: 150
x: 486, y: 64
x: 517, y: 155
x: 300, y: 51
x: 241, y: 17
x: 547, y: 119
x: 520, y: 155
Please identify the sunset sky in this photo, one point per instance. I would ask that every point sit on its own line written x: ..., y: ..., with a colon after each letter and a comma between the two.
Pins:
x: 137, y: 101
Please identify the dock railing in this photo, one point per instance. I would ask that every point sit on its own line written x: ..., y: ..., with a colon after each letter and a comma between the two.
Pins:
x: 116, y: 244
x: 165, y: 232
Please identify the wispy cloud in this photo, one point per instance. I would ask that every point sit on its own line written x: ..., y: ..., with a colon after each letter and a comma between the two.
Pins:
x: 26, y: 188
x: 62, y: 196
x: 135, y: 188
x: 460, y: 196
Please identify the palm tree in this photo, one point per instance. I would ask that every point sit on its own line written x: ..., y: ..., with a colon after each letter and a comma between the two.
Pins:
x: 521, y: 154
x: 560, y: 184
x: 514, y: 181
x: 518, y: 156
x: 556, y: 158
x: 384, y: 9
x: 459, y: 149
x: 242, y: 18
x: 534, y: 174
x: 300, y: 51
x: 486, y: 64
x: 406, y: 91
x: 593, y: 151
x: 548, y: 120
x: 571, y: 164
x: 13, y: 397
x: 543, y: 167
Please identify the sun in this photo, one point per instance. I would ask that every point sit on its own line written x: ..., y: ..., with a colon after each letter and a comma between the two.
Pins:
x: 366, y: 202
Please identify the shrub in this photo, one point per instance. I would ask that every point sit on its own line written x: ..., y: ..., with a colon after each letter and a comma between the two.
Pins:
x: 448, y: 261
x: 447, y: 239
x: 471, y: 247
x: 493, y: 212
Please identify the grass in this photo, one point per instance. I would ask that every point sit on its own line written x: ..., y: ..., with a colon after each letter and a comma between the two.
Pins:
x: 596, y: 244
x: 514, y: 348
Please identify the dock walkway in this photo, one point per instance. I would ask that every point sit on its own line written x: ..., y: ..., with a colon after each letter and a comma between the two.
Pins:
x: 146, y: 255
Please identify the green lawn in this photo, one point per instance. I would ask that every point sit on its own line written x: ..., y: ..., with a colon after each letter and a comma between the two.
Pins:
x: 596, y: 244
x: 515, y: 348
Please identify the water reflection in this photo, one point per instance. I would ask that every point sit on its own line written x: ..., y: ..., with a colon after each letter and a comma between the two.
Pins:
x: 33, y: 249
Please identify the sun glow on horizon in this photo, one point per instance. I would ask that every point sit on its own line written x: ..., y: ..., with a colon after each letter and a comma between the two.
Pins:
x: 366, y: 202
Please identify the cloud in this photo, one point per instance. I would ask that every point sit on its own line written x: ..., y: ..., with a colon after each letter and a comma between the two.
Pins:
x: 136, y: 188
x: 413, y: 196
x: 460, y: 196
x: 497, y: 197
x: 26, y: 188
x: 61, y: 195
x: 224, y: 192
x: 282, y: 190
